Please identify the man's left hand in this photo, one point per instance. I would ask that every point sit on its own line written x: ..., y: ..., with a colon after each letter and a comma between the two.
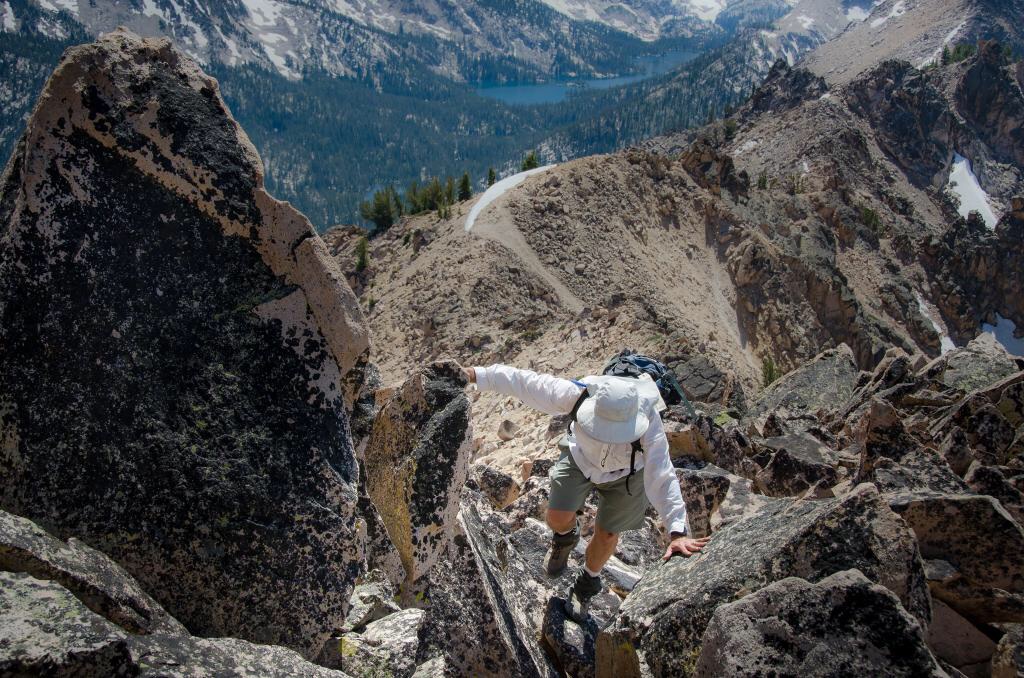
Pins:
x: 685, y: 546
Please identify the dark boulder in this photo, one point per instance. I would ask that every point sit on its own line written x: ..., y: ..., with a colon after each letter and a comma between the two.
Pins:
x: 892, y: 459
x: 501, y: 488
x: 173, y: 347
x: 1008, y: 660
x: 844, y: 625
x: 980, y: 541
x: 798, y: 462
x: 665, y: 616
x: 417, y: 462
x: 92, y: 577
x: 820, y: 385
x: 49, y: 631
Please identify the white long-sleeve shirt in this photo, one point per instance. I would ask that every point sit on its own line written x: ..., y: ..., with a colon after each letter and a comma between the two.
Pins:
x: 599, y: 462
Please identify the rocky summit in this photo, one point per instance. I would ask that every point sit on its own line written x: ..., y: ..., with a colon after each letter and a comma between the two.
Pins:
x: 207, y: 469
x: 174, y: 345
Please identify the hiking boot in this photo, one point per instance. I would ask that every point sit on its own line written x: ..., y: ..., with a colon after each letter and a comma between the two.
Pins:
x: 558, y: 553
x: 578, y: 603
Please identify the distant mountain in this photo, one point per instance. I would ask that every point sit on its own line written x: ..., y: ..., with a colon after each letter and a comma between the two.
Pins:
x: 917, y: 31
x: 714, y: 83
x: 470, y: 41
x: 647, y: 19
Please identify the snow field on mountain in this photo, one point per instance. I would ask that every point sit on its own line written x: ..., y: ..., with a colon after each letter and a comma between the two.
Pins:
x: 946, y: 342
x: 972, y: 197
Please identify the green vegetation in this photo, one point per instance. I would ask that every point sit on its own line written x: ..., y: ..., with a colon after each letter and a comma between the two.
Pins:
x: 795, y: 184
x: 465, y: 188
x: 762, y: 180
x: 963, y: 50
x: 730, y: 129
x: 491, y: 177
x: 769, y: 371
x: 362, y: 254
x: 870, y: 218
x: 530, y: 162
x: 383, y: 210
x: 328, y: 142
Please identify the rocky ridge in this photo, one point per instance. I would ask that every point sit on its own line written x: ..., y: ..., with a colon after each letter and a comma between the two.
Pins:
x: 174, y: 348
x: 723, y: 249
x: 278, y: 491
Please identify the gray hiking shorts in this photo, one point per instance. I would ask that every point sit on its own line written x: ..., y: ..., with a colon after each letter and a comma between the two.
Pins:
x: 617, y: 511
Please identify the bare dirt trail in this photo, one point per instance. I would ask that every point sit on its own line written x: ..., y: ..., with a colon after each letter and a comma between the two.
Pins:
x: 496, y: 223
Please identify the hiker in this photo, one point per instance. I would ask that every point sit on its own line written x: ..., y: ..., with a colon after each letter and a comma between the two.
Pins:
x: 617, y: 444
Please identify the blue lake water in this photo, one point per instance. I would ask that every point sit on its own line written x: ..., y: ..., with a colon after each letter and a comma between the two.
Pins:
x: 555, y: 92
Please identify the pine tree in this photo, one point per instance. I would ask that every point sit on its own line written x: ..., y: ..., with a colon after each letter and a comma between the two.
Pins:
x: 449, y: 191
x: 530, y: 162
x: 362, y: 254
x: 380, y: 210
x: 465, y: 188
x: 491, y: 177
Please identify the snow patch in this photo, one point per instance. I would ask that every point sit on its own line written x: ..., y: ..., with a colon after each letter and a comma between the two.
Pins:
x: 856, y: 14
x: 58, y: 5
x: 946, y: 343
x: 499, y: 189
x: 7, y: 22
x: 965, y: 185
x: 897, y: 10
x: 825, y: 97
x: 746, y: 147
x: 264, y: 13
x: 1003, y: 331
x: 706, y: 9
x: 805, y: 21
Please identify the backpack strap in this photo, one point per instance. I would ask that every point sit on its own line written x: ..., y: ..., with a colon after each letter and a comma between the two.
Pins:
x: 636, y: 447
x: 576, y: 407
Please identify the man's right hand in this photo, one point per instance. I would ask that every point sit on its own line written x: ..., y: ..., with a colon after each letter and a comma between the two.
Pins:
x: 470, y: 374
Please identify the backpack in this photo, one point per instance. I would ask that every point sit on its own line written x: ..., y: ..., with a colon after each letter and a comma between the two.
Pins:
x: 631, y: 365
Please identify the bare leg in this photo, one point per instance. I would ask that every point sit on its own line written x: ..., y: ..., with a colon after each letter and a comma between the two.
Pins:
x: 561, y: 521
x: 601, y: 548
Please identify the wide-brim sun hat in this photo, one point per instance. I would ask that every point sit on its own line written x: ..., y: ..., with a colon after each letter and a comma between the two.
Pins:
x: 615, y: 412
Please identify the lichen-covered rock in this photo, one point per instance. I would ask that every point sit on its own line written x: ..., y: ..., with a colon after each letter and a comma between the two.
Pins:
x: 379, y: 550
x: 992, y: 481
x: 372, y: 599
x: 798, y: 462
x: 570, y: 642
x: 844, y: 625
x: 385, y: 647
x: 823, y: 383
x: 703, y: 490
x: 531, y: 503
x: 101, y: 584
x: 980, y: 364
x: 977, y: 537
x: 892, y: 459
x: 500, y: 488
x: 1008, y: 660
x: 173, y: 344
x: 740, y: 501
x: 666, y: 614
x: 47, y: 631
x: 417, y: 462
x: 485, y: 602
